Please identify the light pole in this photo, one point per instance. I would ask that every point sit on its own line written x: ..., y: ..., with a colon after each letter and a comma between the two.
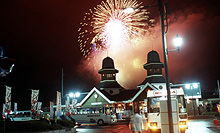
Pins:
x: 177, y: 41
x: 192, y: 86
x: 161, y: 10
x: 62, y: 85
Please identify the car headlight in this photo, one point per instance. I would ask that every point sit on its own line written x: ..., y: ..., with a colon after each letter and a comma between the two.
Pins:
x: 183, y: 124
x: 153, y: 125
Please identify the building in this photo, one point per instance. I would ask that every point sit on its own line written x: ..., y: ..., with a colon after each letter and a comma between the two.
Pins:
x: 129, y: 101
x: 110, y: 93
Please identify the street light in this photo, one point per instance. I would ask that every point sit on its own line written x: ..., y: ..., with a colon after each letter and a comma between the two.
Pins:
x: 77, y: 94
x: 192, y: 86
x: 178, y: 41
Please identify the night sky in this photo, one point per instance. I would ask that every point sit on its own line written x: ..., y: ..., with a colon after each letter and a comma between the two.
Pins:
x: 42, y: 36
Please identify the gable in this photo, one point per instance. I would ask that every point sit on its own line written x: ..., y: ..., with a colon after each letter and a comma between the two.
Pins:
x: 92, y: 100
x: 95, y: 100
x: 142, y: 94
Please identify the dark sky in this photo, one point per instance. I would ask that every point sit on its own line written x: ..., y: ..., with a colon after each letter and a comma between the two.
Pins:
x: 42, y: 36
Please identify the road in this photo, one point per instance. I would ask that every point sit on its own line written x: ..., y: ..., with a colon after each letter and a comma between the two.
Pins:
x: 204, y: 125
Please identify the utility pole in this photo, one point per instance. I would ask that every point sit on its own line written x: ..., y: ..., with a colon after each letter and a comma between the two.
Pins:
x: 62, y: 84
x: 161, y: 10
x: 218, y: 89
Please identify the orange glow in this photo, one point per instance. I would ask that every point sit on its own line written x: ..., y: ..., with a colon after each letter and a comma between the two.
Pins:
x: 119, y: 105
x: 218, y: 107
x: 107, y: 105
x: 130, y: 104
x: 148, y: 89
x: 181, y: 87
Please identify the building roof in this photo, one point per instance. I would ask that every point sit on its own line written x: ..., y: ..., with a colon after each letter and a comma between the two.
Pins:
x: 109, y: 84
x: 125, y: 96
x: 153, y: 57
x: 108, y: 66
x: 122, y: 96
x: 90, y: 93
x: 154, y: 79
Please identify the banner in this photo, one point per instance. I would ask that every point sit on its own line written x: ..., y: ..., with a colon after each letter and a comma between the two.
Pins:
x: 39, y: 105
x: 73, y: 110
x: 3, y: 111
x: 8, y: 99
x: 67, y: 106
x: 34, y: 100
x: 15, y: 109
x: 51, y: 109
x: 58, y: 104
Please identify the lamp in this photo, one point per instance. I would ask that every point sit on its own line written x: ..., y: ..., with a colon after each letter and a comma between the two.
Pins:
x: 77, y: 94
x: 191, y: 86
x: 177, y: 42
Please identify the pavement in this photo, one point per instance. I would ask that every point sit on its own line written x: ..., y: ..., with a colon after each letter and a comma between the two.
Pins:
x: 199, y: 123
x: 203, y: 124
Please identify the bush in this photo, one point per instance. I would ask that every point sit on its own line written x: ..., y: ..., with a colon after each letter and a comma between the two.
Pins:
x: 66, y: 123
x: 21, y: 126
x: 28, y: 126
x: 54, y: 127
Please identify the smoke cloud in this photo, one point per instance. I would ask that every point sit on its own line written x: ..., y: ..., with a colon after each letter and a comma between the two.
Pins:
x: 199, y: 34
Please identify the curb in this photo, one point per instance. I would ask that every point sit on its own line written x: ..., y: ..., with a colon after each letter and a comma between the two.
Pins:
x: 201, y: 117
x: 71, y: 130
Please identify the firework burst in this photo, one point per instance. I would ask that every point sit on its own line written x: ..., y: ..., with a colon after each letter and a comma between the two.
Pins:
x: 108, y: 25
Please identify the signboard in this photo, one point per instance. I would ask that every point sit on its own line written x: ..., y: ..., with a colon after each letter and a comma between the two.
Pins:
x: 39, y: 104
x: 34, y: 100
x: 96, y: 103
x: 73, y: 109
x: 58, y: 104
x: 8, y: 99
x: 67, y: 107
x: 15, y: 109
x: 3, y: 111
x: 164, y: 92
x: 51, y: 109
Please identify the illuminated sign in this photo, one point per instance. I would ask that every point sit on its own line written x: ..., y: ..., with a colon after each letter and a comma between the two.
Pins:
x: 164, y: 92
x: 96, y: 103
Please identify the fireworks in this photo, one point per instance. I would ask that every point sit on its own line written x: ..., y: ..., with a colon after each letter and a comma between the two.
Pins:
x: 109, y: 26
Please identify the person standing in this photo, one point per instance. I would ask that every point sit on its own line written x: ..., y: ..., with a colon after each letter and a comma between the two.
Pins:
x: 137, y: 123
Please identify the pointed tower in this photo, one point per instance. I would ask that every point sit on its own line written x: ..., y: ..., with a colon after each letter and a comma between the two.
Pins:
x: 154, y: 69
x: 108, y: 77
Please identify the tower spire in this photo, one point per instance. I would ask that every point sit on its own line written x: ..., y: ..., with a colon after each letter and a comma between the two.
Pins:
x: 108, y: 81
